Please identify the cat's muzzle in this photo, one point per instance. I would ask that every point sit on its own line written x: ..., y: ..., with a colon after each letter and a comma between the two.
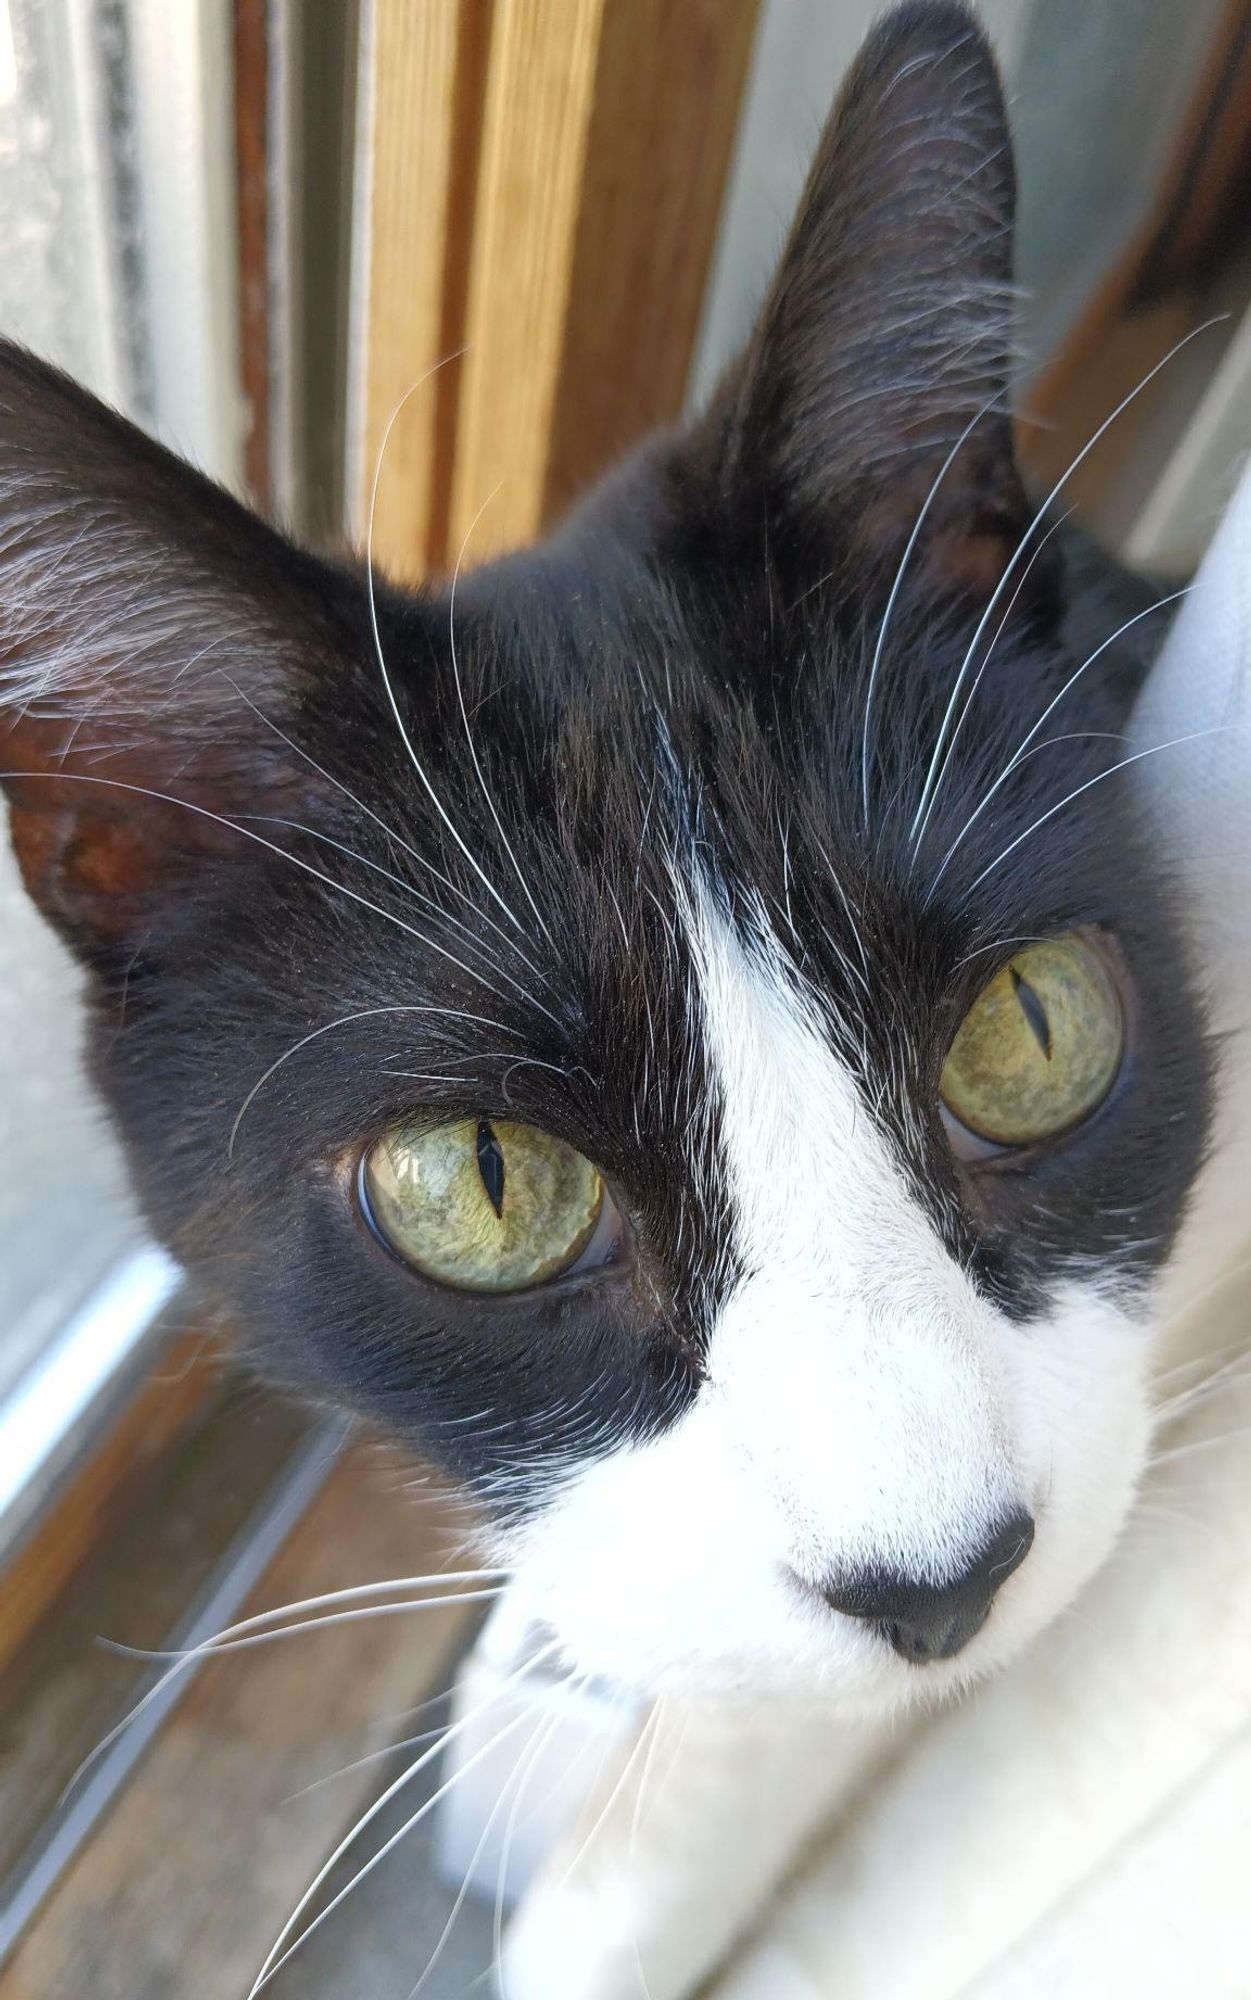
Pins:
x: 926, y: 1621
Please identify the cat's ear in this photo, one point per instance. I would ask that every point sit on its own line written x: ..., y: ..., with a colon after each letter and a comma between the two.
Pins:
x: 153, y: 634
x: 886, y: 335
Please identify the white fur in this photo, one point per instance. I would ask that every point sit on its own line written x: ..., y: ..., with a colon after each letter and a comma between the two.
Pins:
x: 864, y: 1403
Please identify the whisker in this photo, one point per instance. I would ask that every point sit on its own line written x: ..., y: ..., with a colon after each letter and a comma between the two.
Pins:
x: 1216, y: 1372
x: 654, y: 1725
x: 421, y: 859
x: 388, y: 1846
x: 408, y: 889
x: 460, y: 696
x: 610, y: 1801
x: 256, y: 1622
x: 1154, y: 750
x: 343, y: 1021
x: 274, y: 1961
x: 576, y: 1687
x: 306, y: 867
x: 1014, y: 560
x: 544, y: 1729
x: 986, y: 659
x: 214, y: 1651
x: 378, y: 1756
x: 1030, y: 734
x: 1173, y: 1454
x: 405, y: 738
x: 900, y: 573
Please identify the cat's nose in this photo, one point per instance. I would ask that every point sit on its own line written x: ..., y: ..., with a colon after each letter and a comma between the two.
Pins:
x: 926, y: 1621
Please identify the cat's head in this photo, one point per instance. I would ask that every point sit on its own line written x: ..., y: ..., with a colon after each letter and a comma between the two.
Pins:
x: 531, y: 1013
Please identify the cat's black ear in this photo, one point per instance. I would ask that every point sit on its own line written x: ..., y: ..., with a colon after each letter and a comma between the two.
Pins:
x: 886, y: 335
x: 152, y: 638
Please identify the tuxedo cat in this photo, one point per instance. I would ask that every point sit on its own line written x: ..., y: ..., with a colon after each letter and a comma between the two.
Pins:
x: 684, y: 1029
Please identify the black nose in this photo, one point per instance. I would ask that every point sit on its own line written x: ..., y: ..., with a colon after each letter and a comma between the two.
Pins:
x: 927, y: 1621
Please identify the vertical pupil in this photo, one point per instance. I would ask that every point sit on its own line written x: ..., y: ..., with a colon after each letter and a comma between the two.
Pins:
x: 1034, y: 1011
x: 491, y: 1165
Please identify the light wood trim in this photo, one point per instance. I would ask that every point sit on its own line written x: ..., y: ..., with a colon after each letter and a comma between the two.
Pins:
x: 667, y: 94
x: 420, y: 91
x: 541, y: 186
x: 540, y: 96
x: 607, y: 130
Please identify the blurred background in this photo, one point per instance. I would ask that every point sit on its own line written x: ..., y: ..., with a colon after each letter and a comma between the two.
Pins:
x: 255, y: 227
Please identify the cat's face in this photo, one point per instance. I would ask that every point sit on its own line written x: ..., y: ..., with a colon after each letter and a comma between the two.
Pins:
x: 688, y: 842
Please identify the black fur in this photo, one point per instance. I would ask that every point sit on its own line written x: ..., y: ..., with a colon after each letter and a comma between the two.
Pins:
x: 677, y: 680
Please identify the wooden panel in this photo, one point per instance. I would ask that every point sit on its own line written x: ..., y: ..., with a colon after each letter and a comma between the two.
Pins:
x: 420, y: 107
x: 539, y: 99
x: 184, y: 1887
x: 667, y: 95
x: 607, y: 127
x: 160, y: 1536
x: 102, y: 1488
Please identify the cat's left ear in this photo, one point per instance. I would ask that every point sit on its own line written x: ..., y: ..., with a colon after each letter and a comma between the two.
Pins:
x: 157, y: 643
x: 884, y: 343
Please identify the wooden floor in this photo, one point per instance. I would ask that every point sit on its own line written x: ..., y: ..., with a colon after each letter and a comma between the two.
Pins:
x: 184, y: 1885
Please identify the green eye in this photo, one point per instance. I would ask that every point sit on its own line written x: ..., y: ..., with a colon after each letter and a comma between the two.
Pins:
x: 482, y: 1204
x: 1040, y: 1047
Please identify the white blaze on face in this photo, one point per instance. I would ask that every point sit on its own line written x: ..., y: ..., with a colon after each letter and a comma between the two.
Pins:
x: 865, y: 1406
x: 855, y: 1365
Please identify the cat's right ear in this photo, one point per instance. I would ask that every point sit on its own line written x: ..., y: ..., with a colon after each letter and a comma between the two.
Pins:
x: 883, y: 346
x: 154, y: 642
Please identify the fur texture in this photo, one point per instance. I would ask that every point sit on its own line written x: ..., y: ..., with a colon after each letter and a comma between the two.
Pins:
x: 689, y: 836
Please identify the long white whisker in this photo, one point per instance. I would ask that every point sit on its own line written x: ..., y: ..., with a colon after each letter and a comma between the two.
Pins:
x: 986, y: 659
x: 654, y: 1726
x: 256, y: 1622
x: 273, y: 1961
x: 1014, y: 560
x: 343, y: 1021
x: 378, y: 1756
x: 576, y: 1686
x: 610, y: 1801
x: 1195, y: 736
x: 1174, y: 1454
x: 1056, y: 699
x: 422, y: 860
x: 405, y: 738
x: 419, y: 896
x: 306, y: 867
x: 900, y: 573
x: 543, y: 1732
x: 483, y: 787
x: 388, y: 1846
x: 318, y: 1624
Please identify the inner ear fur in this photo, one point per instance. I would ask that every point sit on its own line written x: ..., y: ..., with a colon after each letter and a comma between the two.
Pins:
x: 886, y: 336
x: 153, y: 635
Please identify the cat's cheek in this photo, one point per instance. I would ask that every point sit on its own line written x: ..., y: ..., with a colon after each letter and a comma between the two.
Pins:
x: 662, y: 1566
x: 654, y: 1569
x: 1079, y: 1381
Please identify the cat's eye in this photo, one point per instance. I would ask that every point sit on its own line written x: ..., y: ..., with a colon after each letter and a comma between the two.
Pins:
x: 483, y: 1204
x: 1039, y: 1049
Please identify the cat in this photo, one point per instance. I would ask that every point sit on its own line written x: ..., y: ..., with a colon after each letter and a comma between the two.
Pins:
x: 683, y: 1027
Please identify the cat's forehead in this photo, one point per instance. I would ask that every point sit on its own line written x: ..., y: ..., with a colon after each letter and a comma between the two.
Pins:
x: 799, y: 738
